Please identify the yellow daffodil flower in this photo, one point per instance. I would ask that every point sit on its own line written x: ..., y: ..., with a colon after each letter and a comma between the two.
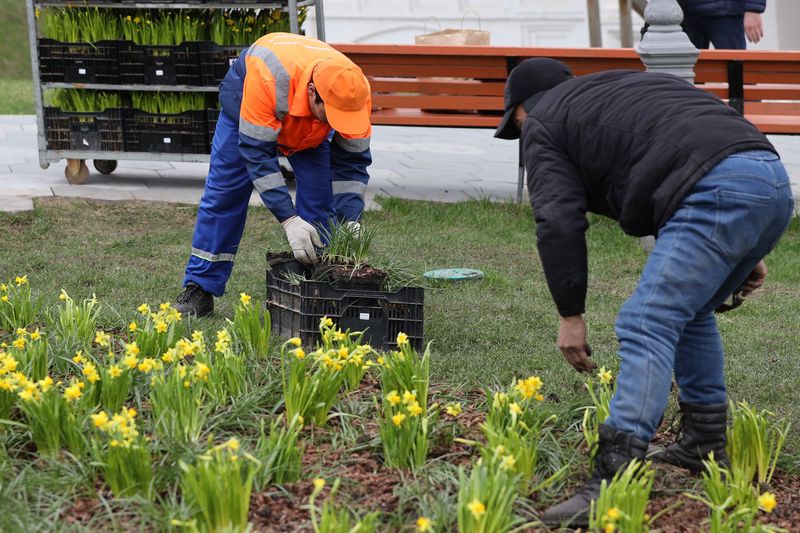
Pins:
x: 414, y: 409
x: 295, y: 341
x: 73, y: 392
x: 319, y: 483
x: 132, y: 349
x: 453, y: 409
x: 398, y: 419
x: 133, y: 326
x: 767, y: 502
x: 114, y: 371
x: 476, y: 508
x: 613, y: 513
x: 514, y: 408
x: 393, y: 398
x: 21, y: 280
x: 402, y: 338
x: 424, y: 524
x: 605, y: 376
x: 245, y: 299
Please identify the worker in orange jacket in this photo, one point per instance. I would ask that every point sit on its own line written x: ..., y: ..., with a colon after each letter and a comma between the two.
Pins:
x: 290, y: 95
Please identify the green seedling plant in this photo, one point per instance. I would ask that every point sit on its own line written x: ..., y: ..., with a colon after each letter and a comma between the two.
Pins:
x: 348, y: 345
x: 597, y: 413
x: 164, y: 28
x: 76, y: 323
x: 227, y: 381
x: 156, y: 331
x: 79, y: 25
x: 280, y: 453
x: 404, y: 429
x: 240, y: 27
x: 312, y: 382
x: 486, y: 498
x: 403, y: 369
x: 516, y: 424
x: 622, y: 503
x: 30, y: 350
x: 84, y: 101
x: 732, y: 500
x: 334, y: 519
x: 168, y: 103
x: 251, y: 328
x: 755, y: 442
x: 217, y: 487
x: 176, y: 398
x: 54, y: 415
x: 347, y: 243
x: 18, y: 307
x: 122, y: 453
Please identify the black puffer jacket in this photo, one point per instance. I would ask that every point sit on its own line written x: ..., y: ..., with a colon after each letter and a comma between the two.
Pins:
x: 624, y: 144
x: 722, y: 8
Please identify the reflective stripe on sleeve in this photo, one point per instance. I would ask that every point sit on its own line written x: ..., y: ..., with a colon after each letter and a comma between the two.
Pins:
x: 352, y: 187
x: 352, y: 145
x: 268, y: 182
x: 214, y: 258
x: 262, y: 133
x: 279, y: 73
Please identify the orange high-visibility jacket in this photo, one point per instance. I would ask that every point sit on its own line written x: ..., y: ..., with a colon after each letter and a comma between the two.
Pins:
x: 272, y: 77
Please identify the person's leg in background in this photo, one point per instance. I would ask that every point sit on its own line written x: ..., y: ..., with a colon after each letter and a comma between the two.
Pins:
x: 694, y: 27
x: 727, y: 33
x: 220, y: 223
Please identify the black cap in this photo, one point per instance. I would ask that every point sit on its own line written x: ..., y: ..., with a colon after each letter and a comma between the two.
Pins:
x: 527, y: 79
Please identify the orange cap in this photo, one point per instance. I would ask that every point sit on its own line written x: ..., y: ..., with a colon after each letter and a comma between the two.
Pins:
x: 345, y: 91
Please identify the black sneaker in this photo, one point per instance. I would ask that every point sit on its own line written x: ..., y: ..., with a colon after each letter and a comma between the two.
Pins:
x: 195, y: 301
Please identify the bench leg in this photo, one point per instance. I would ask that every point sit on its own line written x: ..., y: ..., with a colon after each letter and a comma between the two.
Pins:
x: 520, y: 174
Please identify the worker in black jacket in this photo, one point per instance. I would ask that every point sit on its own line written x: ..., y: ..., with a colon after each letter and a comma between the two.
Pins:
x: 667, y: 159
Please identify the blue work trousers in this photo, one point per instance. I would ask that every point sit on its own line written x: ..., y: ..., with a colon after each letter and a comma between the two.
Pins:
x: 724, y: 226
x: 222, y: 213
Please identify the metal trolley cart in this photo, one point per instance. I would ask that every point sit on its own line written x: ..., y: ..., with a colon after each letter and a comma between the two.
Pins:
x: 106, y: 137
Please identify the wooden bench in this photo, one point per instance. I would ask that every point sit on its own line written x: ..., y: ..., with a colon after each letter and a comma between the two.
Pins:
x: 451, y: 86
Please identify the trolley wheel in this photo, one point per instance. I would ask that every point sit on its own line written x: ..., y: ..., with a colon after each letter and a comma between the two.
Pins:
x: 105, y: 166
x: 76, y: 171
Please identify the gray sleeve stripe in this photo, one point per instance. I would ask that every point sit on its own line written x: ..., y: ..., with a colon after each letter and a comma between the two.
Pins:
x: 269, y: 182
x: 262, y: 133
x: 280, y: 74
x: 214, y: 258
x: 349, y: 187
x: 352, y: 145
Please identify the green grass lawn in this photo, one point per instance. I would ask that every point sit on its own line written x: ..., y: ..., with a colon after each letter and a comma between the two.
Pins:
x: 16, y: 97
x: 483, y: 333
x: 15, y: 56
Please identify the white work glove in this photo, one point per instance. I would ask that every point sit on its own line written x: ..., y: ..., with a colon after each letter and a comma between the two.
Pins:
x: 354, y: 226
x: 302, y: 237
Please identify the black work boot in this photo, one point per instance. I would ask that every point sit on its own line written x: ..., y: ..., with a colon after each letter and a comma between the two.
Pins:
x: 615, y: 450
x: 195, y: 301
x: 703, y: 431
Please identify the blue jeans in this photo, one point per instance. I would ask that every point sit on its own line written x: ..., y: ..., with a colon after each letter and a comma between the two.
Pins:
x: 725, y: 33
x: 725, y: 225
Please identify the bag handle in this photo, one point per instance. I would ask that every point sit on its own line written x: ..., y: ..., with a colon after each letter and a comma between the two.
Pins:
x: 476, y: 16
x: 425, y: 27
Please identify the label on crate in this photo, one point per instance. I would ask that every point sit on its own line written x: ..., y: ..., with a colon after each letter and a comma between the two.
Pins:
x: 363, y: 316
x: 167, y: 140
x: 159, y: 72
x: 81, y: 71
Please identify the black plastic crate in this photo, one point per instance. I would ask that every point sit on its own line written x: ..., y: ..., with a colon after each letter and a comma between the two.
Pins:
x: 296, y: 309
x: 67, y: 130
x: 160, y: 65
x: 215, y: 60
x: 79, y: 62
x: 182, y: 133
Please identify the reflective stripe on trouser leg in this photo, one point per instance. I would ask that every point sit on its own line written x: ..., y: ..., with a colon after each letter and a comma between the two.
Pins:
x: 222, y: 212
x: 312, y: 170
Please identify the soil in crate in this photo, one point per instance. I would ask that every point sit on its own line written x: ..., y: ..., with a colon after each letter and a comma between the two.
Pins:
x: 100, y: 131
x: 297, y: 302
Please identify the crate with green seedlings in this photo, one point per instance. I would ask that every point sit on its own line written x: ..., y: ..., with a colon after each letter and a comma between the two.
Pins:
x: 162, y: 47
x: 83, y: 120
x: 233, y: 30
x: 79, y: 45
x: 384, y: 300
x: 167, y: 122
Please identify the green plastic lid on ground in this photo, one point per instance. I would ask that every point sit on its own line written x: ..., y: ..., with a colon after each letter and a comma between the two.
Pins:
x: 454, y: 274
